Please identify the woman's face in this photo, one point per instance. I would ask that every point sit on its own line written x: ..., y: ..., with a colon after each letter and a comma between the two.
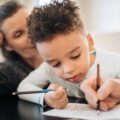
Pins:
x: 15, y: 31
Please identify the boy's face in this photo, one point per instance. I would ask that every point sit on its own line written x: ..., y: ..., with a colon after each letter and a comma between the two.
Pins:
x: 68, y: 54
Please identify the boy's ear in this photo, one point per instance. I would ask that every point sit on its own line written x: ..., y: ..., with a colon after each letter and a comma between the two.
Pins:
x: 90, y: 41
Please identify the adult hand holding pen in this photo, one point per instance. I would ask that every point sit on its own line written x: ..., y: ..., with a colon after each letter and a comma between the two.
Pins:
x: 108, y: 93
x: 57, y: 98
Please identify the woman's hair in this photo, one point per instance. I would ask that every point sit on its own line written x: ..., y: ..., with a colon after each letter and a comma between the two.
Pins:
x: 7, y: 10
x: 45, y: 22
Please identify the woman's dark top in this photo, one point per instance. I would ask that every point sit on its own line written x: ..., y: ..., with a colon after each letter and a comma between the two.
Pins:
x: 11, y: 74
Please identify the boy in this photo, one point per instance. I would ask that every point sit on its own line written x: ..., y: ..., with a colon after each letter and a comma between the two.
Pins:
x: 70, y: 57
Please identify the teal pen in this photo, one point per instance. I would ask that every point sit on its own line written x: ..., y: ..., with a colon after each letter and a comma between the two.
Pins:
x: 31, y: 92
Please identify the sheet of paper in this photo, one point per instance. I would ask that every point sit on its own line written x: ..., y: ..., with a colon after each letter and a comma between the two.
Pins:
x: 84, y: 111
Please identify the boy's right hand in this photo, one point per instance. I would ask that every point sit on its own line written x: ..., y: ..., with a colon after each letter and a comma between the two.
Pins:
x: 58, y: 98
x: 108, y: 93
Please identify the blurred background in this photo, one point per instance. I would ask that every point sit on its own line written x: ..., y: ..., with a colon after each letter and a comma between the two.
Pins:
x: 101, y: 18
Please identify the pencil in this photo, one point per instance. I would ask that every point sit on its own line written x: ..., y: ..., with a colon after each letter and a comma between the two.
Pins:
x: 31, y: 92
x: 37, y: 91
x: 97, y: 87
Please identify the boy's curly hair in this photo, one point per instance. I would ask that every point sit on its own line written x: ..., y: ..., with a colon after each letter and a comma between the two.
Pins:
x: 47, y: 21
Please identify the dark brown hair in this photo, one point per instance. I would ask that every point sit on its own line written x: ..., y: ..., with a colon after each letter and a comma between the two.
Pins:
x: 45, y: 22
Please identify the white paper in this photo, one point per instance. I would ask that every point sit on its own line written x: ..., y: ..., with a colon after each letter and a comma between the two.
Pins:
x: 84, y: 111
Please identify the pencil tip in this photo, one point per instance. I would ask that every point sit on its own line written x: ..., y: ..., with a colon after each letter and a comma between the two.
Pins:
x: 67, y: 90
x: 13, y: 93
x: 98, y: 112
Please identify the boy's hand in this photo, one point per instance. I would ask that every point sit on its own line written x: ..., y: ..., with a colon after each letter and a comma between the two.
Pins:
x: 58, y: 98
x: 89, y: 89
x: 108, y: 92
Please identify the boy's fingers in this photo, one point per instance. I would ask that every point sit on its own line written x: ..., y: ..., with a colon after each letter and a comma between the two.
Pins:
x: 111, y: 104
x: 91, y: 82
x: 103, y: 106
x: 91, y: 95
x: 53, y: 86
x: 108, y: 103
x: 58, y: 93
x: 63, y: 100
x: 105, y: 90
x: 90, y: 101
x: 89, y: 92
x: 59, y: 104
x: 56, y: 102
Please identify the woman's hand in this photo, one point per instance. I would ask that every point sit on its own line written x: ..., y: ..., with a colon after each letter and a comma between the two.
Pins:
x: 108, y: 93
x: 58, y: 98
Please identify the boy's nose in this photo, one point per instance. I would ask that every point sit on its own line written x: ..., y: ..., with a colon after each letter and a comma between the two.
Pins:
x: 68, y: 69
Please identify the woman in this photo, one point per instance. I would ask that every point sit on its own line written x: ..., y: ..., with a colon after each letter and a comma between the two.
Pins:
x: 21, y: 57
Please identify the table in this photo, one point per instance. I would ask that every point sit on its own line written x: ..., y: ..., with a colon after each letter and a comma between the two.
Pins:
x: 12, y: 108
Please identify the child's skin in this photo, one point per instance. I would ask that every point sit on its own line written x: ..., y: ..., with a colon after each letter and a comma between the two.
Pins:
x: 72, y: 63
x: 57, y: 98
x: 59, y: 35
x: 108, y: 93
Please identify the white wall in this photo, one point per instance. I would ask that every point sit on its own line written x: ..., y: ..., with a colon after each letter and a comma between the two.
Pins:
x: 100, y: 15
x: 108, y: 41
x: 102, y: 20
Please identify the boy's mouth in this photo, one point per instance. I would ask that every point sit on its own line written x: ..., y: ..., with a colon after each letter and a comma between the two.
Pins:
x: 76, y: 78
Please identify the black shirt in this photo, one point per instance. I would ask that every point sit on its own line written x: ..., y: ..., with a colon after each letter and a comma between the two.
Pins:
x: 11, y: 74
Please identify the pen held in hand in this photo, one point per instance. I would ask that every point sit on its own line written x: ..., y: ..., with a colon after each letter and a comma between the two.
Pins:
x: 37, y: 91
x: 32, y: 92
x: 97, y: 87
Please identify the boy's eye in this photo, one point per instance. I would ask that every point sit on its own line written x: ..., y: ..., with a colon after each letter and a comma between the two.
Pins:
x: 56, y: 65
x: 76, y: 56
